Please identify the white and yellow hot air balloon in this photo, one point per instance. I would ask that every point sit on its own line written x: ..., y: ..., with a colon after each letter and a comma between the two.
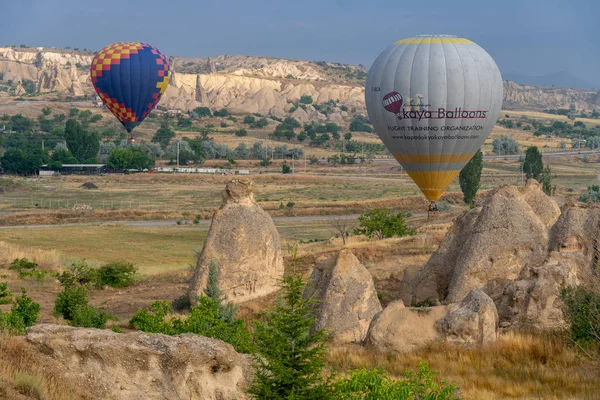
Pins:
x: 433, y: 100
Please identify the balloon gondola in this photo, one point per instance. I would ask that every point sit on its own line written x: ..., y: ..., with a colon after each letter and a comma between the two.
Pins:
x: 433, y: 100
x: 130, y: 78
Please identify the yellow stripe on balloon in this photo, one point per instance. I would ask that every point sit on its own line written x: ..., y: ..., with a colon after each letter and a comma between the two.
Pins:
x: 434, y: 40
x: 433, y: 184
x: 433, y: 158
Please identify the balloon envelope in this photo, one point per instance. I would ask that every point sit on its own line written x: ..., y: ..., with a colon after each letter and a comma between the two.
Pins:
x: 130, y: 78
x: 433, y: 100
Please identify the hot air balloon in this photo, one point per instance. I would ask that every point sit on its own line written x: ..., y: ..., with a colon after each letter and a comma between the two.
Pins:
x: 433, y: 100
x: 130, y: 78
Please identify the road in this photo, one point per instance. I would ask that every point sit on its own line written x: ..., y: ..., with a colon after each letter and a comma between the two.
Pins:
x: 202, y: 223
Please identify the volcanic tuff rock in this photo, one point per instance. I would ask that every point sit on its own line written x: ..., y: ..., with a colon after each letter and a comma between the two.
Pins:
x: 520, y: 249
x: 473, y: 322
x: 398, y: 329
x: 140, y: 365
x: 244, y: 243
x: 247, y: 84
x: 346, y: 297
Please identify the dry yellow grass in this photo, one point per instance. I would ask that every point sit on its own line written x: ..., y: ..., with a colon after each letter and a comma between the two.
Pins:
x: 545, y: 116
x: 517, y: 366
x: 11, y: 251
x: 21, y: 371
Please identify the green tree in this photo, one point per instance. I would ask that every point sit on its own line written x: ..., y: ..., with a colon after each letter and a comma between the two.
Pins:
x: 21, y: 124
x: 306, y: 99
x: 46, y: 111
x: 183, y: 122
x: 227, y: 311
x: 505, y: 145
x: 533, y: 165
x: 163, y: 135
x: 221, y: 113
x: 202, y: 112
x: 348, y: 136
x: 291, y: 354
x: 546, y: 181
x: 129, y: 158
x: 64, y: 157
x: 81, y: 143
x: 286, y: 169
x: 26, y: 160
x: 470, y: 176
x: 383, y: 223
x: 241, y: 132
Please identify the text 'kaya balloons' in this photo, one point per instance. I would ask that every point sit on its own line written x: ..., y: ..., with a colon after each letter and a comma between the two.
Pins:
x: 433, y: 100
x: 130, y: 78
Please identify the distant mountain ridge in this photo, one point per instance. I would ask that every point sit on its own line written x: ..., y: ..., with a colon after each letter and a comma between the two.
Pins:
x: 560, y: 79
x: 248, y: 84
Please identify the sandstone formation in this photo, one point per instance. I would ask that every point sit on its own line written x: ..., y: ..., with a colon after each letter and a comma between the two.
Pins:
x: 139, y: 365
x: 244, y: 243
x: 346, y: 297
x: 398, y: 329
x: 473, y: 322
x: 520, y: 249
x: 246, y: 84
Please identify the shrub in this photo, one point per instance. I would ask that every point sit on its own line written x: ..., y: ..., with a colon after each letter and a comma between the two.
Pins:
x: 68, y: 299
x: 241, y: 132
x: 375, y: 385
x: 286, y: 169
x: 26, y: 268
x: 383, y: 223
x: 306, y: 99
x: 5, y: 295
x: 79, y: 273
x: 87, y: 316
x: 443, y: 206
x: 117, y: 274
x: 24, y: 313
x: 582, y: 311
x: 592, y: 195
x: 265, y: 162
x: 211, y: 317
x: 290, y: 204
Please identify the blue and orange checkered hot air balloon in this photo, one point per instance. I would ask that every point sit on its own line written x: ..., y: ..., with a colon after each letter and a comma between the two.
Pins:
x: 130, y: 78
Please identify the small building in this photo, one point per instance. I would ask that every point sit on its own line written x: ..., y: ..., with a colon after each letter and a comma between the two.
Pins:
x: 74, y: 169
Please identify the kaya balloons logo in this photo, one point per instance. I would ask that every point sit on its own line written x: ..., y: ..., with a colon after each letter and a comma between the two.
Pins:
x: 394, y: 103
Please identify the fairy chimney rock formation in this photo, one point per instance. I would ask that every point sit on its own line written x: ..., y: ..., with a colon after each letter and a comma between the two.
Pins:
x: 244, y: 243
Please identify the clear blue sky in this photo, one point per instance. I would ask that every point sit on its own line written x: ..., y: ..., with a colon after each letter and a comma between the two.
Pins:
x: 528, y: 37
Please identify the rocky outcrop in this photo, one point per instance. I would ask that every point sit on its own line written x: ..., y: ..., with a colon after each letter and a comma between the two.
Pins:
x: 346, y: 299
x: 473, y: 322
x: 516, y: 95
x: 433, y: 281
x: 521, y: 250
x: 139, y: 365
x: 398, y: 329
x: 507, y: 238
x: 244, y: 243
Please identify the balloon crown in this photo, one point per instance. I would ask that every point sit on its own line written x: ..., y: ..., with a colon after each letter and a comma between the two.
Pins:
x: 435, y: 35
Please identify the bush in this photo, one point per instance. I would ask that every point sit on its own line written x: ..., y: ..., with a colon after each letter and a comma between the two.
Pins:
x: 79, y: 273
x: 241, y: 132
x: 374, y: 385
x: 118, y: 274
x: 582, y: 311
x: 592, y: 195
x: 383, y: 223
x: 87, y: 316
x: 211, y: 317
x: 26, y: 268
x: 306, y: 99
x: 443, y: 206
x: 265, y: 162
x: 24, y: 313
x: 69, y: 299
x: 5, y: 295
x: 286, y: 169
